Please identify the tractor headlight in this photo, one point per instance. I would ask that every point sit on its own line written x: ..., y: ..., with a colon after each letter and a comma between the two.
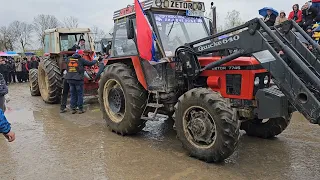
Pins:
x: 266, y: 80
x: 256, y: 81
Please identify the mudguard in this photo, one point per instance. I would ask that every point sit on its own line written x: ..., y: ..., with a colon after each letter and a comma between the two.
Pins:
x: 136, y: 64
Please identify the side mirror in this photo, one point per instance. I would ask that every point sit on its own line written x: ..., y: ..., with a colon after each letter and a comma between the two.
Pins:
x: 130, y: 29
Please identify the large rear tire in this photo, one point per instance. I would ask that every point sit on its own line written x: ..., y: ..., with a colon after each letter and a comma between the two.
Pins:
x: 50, y: 81
x: 206, y: 125
x: 122, y: 99
x: 33, y: 80
x: 265, y: 130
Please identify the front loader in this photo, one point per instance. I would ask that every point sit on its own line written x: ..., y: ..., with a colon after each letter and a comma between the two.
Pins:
x: 211, y: 87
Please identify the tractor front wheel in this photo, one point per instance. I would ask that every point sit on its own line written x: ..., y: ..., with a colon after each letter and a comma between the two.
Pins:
x: 206, y: 125
x: 265, y: 129
x: 50, y: 81
x: 122, y: 99
x: 33, y: 80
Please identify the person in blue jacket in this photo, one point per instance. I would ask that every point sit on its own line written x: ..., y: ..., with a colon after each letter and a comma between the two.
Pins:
x: 5, y: 126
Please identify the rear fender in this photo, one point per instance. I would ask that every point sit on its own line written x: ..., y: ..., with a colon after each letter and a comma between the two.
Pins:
x: 135, y: 62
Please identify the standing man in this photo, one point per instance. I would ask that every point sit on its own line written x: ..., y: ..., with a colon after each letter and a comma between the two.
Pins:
x: 18, y: 70
x: 75, y: 78
x: 12, y: 71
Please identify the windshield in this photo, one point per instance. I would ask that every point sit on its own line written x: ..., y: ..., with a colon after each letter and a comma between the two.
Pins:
x: 176, y: 30
x: 67, y: 41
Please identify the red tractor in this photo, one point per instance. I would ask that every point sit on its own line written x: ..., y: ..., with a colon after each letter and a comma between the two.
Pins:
x: 211, y: 86
x: 60, y: 43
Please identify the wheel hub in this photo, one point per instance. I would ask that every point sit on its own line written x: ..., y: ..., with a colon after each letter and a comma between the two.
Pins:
x: 201, y: 127
x: 116, y: 100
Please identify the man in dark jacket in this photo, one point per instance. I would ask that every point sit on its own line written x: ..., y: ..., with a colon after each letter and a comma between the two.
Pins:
x: 12, y: 71
x: 309, y: 15
x: 270, y: 18
x: 75, y: 78
x: 34, y: 63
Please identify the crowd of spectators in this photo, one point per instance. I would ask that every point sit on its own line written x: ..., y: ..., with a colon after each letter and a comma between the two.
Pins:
x: 308, y: 17
x: 17, y: 70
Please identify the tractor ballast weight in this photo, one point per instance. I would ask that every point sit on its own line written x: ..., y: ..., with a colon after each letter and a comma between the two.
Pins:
x: 212, y: 87
x: 59, y: 44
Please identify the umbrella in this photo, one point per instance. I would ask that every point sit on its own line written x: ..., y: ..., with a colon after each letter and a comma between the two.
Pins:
x: 263, y: 11
x: 317, y: 29
x: 29, y: 53
x: 10, y: 53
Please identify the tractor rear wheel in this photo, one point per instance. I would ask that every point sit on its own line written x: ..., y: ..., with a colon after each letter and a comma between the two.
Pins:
x: 267, y: 129
x: 122, y: 99
x: 33, y: 80
x: 50, y: 81
x: 206, y: 125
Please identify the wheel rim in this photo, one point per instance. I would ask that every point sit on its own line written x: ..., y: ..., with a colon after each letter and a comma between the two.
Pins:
x: 199, y: 127
x: 43, y: 82
x: 114, y: 100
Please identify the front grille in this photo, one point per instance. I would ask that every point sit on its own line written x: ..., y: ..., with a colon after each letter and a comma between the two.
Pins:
x: 233, y: 82
x: 261, y: 84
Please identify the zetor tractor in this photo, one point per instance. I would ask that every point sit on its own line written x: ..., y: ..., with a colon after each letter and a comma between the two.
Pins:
x: 212, y: 87
x: 59, y: 44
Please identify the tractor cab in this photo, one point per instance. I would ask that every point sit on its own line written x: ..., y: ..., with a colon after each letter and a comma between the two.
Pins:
x: 65, y: 41
x: 174, y: 23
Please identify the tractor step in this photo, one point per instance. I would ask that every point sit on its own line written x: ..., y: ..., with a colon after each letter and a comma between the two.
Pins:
x: 155, y: 105
x: 155, y: 117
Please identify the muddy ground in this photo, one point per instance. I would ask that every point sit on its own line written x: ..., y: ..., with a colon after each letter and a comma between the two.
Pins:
x: 51, y: 145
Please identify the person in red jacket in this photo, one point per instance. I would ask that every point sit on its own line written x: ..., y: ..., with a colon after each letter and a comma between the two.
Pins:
x: 296, y: 14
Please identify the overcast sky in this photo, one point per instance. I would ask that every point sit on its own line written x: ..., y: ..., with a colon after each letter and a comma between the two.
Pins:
x: 99, y: 12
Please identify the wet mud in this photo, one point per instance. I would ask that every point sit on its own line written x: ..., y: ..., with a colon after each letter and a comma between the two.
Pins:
x: 51, y: 145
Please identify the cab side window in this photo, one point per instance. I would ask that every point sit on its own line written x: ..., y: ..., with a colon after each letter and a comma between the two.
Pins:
x: 123, y: 46
x: 46, y: 43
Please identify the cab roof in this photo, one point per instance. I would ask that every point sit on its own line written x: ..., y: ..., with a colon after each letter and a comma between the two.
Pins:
x: 68, y: 30
x: 183, y: 5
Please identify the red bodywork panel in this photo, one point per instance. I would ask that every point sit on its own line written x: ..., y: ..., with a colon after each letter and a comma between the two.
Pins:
x: 137, y: 67
x: 217, y: 78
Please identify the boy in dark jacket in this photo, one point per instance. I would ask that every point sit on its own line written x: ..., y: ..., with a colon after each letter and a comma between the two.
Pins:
x: 5, y: 126
x: 75, y: 78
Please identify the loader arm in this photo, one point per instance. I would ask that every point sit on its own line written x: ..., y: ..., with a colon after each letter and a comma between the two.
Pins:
x: 296, y: 71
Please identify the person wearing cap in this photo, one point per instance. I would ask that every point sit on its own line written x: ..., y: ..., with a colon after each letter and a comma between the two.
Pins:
x: 75, y: 79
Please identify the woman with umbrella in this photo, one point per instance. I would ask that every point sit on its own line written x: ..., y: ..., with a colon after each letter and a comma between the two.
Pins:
x: 269, y: 15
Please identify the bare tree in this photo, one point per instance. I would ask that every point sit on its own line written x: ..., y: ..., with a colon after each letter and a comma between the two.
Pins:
x: 7, y: 39
x: 97, y: 33
x: 70, y: 22
x: 43, y: 22
x: 22, y: 33
x: 233, y: 19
